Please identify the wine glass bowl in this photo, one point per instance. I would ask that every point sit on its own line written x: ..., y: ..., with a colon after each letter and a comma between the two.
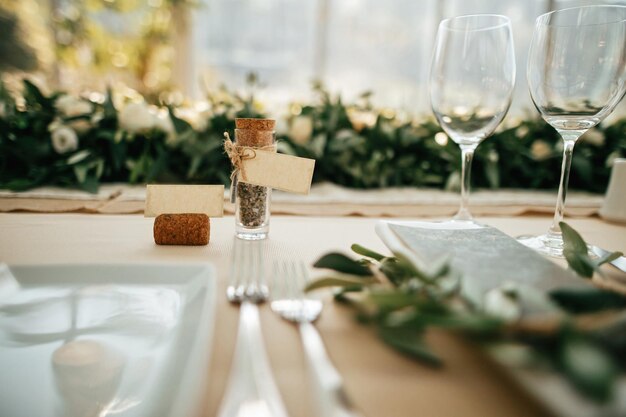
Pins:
x: 576, y: 77
x: 471, y: 84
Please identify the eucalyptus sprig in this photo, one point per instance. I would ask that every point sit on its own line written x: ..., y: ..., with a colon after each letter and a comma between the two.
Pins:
x: 571, y: 329
x: 576, y: 252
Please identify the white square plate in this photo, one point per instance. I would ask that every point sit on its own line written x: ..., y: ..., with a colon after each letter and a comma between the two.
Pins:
x: 99, y: 340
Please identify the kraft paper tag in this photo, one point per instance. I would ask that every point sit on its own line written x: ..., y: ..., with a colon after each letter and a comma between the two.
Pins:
x: 283, y: 172
x: 177, y: 199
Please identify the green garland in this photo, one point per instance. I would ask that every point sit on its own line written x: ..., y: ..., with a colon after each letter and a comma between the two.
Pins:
x: 577, y: 332
x: 57, y: 139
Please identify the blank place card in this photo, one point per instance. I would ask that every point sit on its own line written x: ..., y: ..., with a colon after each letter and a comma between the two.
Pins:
x: 177, y: 199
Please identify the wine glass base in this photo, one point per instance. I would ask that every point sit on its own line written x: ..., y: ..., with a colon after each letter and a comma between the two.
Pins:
x: 459, y: 224
x: 465, y: 221
x: 463, y: 215
x: 546, y: 244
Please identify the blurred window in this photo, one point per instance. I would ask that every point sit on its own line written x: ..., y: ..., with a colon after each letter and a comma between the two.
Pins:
x: 351, y: 45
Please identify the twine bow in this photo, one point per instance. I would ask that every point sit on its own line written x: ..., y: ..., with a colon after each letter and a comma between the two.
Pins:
x: 237, y: 154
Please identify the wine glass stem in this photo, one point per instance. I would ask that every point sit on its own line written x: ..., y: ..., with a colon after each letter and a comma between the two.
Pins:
x: 467, y: 155
x: 568, y: 150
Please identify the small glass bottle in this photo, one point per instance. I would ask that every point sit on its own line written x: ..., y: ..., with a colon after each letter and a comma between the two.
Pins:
x: 252, y: 203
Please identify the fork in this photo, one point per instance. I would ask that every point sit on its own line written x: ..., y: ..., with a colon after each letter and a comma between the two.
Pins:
x: 251, y: 390
x: 290, y: 302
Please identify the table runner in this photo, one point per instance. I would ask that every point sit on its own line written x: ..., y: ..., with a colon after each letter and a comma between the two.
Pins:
x: 380, y: 381
x: 326, y: 199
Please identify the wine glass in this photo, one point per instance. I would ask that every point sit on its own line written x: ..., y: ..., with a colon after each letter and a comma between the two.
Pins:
x: 472, y: 77
x: 576, y: 76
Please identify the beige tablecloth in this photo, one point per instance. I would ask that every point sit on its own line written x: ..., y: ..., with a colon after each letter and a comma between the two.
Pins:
x: 381, y: 382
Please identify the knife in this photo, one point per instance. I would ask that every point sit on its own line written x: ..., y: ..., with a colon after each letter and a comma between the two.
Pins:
x: 619, y: 263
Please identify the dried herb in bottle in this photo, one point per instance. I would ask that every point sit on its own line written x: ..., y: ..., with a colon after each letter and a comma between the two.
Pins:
x: 252, y: 204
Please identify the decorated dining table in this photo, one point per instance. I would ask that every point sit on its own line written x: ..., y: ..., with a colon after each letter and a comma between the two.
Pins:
x: 180, y: 310
x: 378, y: 379
x: 248, y: 284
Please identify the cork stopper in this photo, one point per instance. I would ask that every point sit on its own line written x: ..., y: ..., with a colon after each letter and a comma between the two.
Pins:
x: 256, y: 133
x: 188, y: 229
x: 256, y: 124
x: 254, y: 138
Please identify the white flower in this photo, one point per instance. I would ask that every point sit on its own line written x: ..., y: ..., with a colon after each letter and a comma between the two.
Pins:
x: 80, y: 125
x: 441, y: 138
x: 219, y: 109
x: 610, y: 160
x: 344, y: 134
x: 199, y: 120
x: 282, y: 125
x: 521, y: 132
x: 502, y: 303
x: 540, y: 150
x: 137, y: 117
x: 64, y: 139
x: 71, y: 106
x: 301, y: 129
x: 231, y: 113
x: 97, y: 117
x: 55, y: 124
x: 512, y: 121
x: 163, y: 122
x: 593, y: 137
x: 222, y: 96
x: 361, y: 119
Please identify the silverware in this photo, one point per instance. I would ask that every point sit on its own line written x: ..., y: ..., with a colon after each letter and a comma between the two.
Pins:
x: 289, y: 301
x: 251, y: 390
x: 619, y: 263
x: 247, y: 274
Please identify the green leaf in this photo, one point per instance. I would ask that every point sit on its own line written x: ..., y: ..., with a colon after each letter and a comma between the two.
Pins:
x: 194, y: 165
x: 342, y: 263
x: 99, y: 164
x: 587, y: 300
x: 533, y: 300
x: 492, y: 173
x: 576, y: 252
x: 90, y: 184
x: 588, y: 367
x: 80, y: 171
x: 19, y: 184
x: 340, y: 293
x: 392, y: 299
x: 439, y: 269
x: 503, y: 304
x: 109, y: 109
x: 366, y: 252
x: 613, y: 337
x: 409, y: 341
x: 338, y: 281
x: 78, y: 157
x: 468, y: 322
x: 580, y: 263
x: 396, y: 271
x: 572, y: 241
x: 33, y: 94
x: 180, y: 126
